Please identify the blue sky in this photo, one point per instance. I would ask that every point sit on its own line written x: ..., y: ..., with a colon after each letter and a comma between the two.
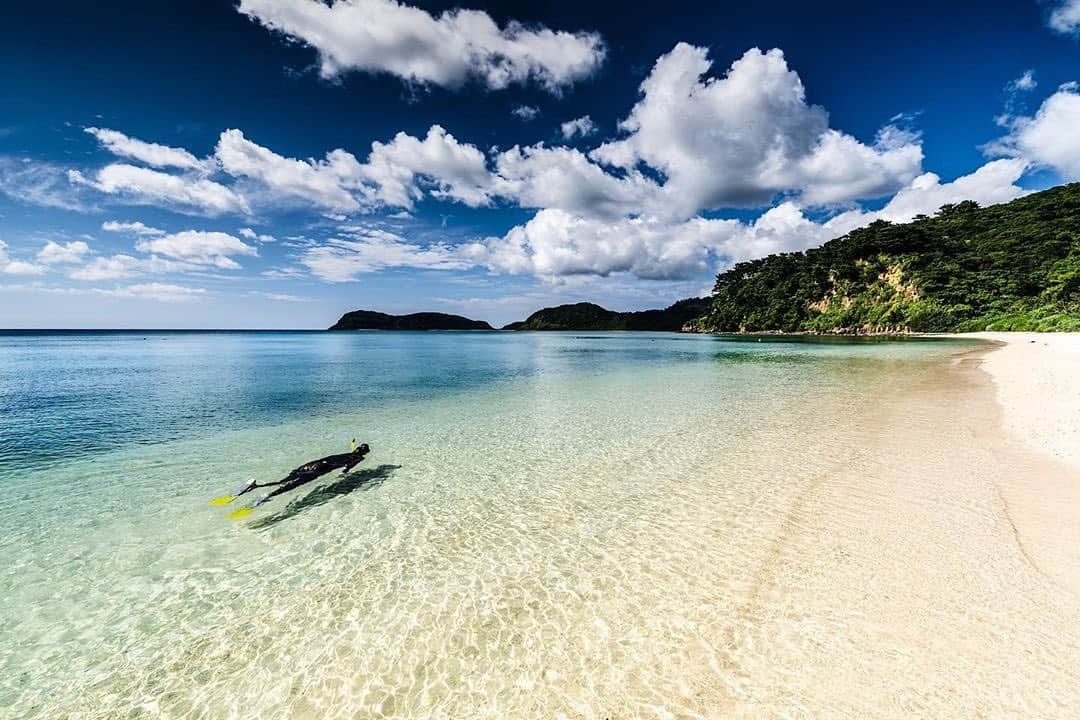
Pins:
x: 274, y: 163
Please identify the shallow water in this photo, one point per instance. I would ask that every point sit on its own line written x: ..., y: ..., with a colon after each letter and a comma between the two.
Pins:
x: 593, y: 525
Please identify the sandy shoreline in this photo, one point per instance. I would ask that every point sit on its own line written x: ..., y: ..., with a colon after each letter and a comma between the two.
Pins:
x: 1037, y: 385
x: 1037, y: 376
x: 942, y: 558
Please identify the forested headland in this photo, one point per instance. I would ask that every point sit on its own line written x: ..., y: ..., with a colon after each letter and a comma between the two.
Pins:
x: 1014, y: 266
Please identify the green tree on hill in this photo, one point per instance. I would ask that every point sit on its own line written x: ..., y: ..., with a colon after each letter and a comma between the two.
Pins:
x: 1014, y: 266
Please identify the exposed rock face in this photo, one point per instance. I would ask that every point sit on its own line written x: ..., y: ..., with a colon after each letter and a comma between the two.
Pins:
x: 371, y: 320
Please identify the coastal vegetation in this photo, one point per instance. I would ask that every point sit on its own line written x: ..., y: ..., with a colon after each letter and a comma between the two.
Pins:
x: 577, y: 316
x: 589, y: 316
x: 371, y: 320
x: 1014, y: 266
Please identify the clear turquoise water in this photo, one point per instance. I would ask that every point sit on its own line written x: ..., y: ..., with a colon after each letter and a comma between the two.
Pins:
x: 503, y: 552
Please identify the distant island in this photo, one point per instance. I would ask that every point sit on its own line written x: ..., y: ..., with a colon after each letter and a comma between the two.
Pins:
x: 588, y: 316
x: 578, y: 316
x: 371, y: 320
x: 1014, y: 267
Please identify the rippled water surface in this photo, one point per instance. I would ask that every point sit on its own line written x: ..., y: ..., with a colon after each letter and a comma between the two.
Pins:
x: 549, y: 525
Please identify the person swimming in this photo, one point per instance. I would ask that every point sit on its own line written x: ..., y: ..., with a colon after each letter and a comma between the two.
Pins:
x: 301, y: 475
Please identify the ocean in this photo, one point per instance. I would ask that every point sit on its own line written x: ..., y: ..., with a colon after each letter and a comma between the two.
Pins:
x: 548, y: 524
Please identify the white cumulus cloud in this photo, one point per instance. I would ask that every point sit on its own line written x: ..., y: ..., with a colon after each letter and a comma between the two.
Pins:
x: 993, y: 183
x: 327, y: 184
x: 144, y: 186
x: 108, y: 268
x: 525, y: 112
x: 403, y: 168
x: 252, y: 235
x: 1050, y: 137
x: 134, y: 228
x: 1025, y: 82
x: 149, y: 153
x: 397, y: 173
x: 565, y: 179
x: 1065, y: 18
x: 186, y: 251
x: 384, y: 36
x: 578, y: 127
x: 17, y: 267
x: 197, y: 246
x: 740, y: 139
x: 556, y: 243
x: 69, y: 253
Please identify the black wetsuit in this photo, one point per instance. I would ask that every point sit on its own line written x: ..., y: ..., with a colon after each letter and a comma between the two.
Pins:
x: 315, y: 469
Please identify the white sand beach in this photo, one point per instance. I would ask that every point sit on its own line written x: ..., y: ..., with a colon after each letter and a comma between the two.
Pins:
x: 1038, y: 384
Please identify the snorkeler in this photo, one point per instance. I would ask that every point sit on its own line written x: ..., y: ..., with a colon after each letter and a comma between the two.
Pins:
x: 303, y: 474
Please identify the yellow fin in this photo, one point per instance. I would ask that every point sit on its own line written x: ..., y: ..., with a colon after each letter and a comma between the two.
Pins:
x: 223, y: 500
x: 240, y: 513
